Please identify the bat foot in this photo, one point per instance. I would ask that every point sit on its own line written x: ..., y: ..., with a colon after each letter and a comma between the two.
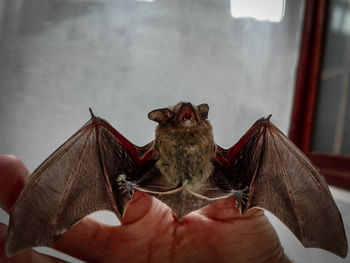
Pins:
x: 241, y: 197
x: 125, y: 186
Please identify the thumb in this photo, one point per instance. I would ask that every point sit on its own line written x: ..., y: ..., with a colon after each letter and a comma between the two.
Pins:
x: 138, y: 207
x: 13, y: 176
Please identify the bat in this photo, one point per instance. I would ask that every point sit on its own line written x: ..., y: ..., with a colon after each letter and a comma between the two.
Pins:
x: 98, y: 168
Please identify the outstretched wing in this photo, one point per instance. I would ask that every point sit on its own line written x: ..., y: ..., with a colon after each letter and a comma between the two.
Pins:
x: 283, y: 181
x: 79, y: 178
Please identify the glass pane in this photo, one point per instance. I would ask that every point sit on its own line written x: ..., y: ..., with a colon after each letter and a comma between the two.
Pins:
x: 335, y: 43
x: 346, y: 135
x: 325, y: 123
x: 332, y: 120
x: 124, y: 58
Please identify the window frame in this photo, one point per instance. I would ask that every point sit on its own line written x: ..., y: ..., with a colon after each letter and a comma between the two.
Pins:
x: 335, y: 168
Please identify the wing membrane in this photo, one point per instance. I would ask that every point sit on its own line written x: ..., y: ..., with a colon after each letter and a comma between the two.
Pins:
x: 77, y: 179
x: 283, y: 181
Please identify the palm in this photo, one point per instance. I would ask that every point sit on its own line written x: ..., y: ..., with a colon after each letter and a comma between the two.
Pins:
x: 151, y: 233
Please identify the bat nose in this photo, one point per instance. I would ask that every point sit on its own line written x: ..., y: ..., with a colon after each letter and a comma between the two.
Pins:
x: 187, y: 111
x: 186, y: 104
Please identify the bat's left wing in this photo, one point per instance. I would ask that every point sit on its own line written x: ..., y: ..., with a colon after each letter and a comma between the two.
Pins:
x: 283, y: 181
x: 87, y: 173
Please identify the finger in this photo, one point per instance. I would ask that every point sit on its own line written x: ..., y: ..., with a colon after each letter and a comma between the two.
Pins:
x: 89, y: 239
x: 85, y: 240
x: 223, y: 209
x: 13, y: 175
x: 137, y: 209
x: 28, y: 255
x: 226, y: 210
x: 144, y: 210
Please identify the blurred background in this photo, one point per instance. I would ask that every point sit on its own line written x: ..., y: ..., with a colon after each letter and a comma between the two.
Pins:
x: 124, y: 58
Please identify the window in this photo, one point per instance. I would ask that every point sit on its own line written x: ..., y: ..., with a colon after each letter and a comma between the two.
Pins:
x: 321, y: 115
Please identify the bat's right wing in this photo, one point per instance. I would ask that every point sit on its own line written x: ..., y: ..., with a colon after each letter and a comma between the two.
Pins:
x: 283, y: 181
x: 79, y: 178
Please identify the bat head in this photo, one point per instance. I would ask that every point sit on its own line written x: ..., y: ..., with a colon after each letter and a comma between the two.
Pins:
x: 183, y: 114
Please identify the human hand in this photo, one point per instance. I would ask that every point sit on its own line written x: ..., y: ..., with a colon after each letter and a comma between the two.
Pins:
x: 150, y: 232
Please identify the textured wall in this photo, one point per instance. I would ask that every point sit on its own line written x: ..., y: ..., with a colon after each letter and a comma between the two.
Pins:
x: 125, y: 58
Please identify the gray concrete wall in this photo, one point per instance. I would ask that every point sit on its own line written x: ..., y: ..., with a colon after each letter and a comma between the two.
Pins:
x: 124, y: 58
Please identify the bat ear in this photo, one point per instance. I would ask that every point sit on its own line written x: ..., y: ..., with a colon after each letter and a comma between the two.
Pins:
x: 161, y: 115
x: 203, y: 110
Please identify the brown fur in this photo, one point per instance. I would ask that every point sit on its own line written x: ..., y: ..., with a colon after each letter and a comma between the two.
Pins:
x: 185, y: 152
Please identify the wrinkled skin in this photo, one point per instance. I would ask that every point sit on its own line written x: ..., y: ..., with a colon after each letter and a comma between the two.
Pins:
x: 150, y: 233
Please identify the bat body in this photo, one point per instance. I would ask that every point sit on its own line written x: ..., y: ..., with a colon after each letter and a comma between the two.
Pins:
x: 98, y: 168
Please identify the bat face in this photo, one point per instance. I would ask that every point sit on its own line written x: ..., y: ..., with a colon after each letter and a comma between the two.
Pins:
x: 184, y: 143
x: 183, y: 114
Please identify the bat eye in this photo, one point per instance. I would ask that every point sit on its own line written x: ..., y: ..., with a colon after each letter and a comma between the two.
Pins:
x: 203, y: 110
x: 161, y: 116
